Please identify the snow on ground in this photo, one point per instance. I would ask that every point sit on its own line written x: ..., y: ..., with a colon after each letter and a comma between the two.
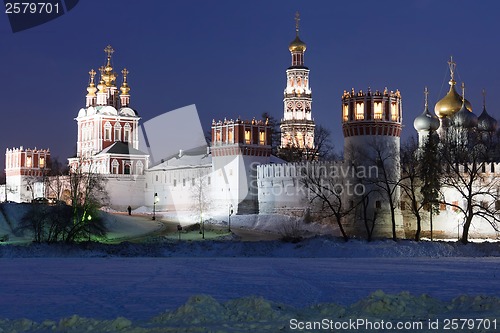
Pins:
x: 233, y: 286
x: 122, y: 226
x: 140, y: 288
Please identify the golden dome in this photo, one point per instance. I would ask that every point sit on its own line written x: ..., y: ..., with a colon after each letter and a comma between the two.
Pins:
x: 91, y: 89
x: 451, y: 103
x: 297, y: 45
x: 125, y: 89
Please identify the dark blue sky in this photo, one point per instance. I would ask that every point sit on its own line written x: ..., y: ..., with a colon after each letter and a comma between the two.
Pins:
x: 229, y: 58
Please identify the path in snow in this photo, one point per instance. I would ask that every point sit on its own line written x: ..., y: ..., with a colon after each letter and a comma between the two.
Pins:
x: 138, y: 288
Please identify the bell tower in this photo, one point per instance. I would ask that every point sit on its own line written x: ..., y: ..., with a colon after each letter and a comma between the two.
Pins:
x: 297, y: 125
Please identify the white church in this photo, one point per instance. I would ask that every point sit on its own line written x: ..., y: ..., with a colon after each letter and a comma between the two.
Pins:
x: 237, y: 172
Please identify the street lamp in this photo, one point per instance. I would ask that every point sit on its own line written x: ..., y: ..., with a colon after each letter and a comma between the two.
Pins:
x: 230, y: 212
x: 89, y: 218
x: 156, y: 199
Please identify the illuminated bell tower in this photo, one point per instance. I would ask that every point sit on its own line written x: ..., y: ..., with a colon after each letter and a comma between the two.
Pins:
x: 297, y: 125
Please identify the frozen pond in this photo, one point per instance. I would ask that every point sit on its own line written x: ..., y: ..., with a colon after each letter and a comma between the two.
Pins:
x: 138, y: 288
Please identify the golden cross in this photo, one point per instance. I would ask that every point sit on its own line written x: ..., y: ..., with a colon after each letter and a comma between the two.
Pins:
x: 109, y: 50
x: 101, y: 69
x: 92, y: 75
x: 297, y: 19
x: 125, y: 73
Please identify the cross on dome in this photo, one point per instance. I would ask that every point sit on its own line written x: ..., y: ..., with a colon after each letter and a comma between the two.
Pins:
x: 92, y: 75
x: 297, y: 19
x: 109, y: 51
x: 426, y: 93
x: 452, y: 65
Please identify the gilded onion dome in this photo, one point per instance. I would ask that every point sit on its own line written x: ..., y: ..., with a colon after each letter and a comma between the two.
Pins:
x: 108, y: 75
x: 485, y: 122
x: 426, y: 121
x: 91, y: 89
x: 465, y: 118
x: 125, y: 89
x: 452, y: 102
x: 102, y: 85
x: 297, y: 45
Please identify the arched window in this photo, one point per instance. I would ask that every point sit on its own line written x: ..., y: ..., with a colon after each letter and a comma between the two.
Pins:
x: 114, y: 167
x: 118, y: 129
x: 126, y: 169
x: 107, y: 131
x: 360, y: 111
x: 377, y: 113
x: 394, y: 111
x: 126, y: 133
x: 139, y: 168
x: 345, y: 112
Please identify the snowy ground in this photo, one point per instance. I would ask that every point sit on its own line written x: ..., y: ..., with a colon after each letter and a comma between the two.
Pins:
x: 234, y: 286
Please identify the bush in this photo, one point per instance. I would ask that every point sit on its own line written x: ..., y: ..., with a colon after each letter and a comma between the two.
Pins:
x: 291, y: 232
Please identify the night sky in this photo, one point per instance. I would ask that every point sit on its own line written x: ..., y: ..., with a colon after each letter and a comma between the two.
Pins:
x: 229, y: 58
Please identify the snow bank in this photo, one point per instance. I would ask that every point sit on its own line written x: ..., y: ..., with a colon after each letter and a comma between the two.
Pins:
x: 203, y: 313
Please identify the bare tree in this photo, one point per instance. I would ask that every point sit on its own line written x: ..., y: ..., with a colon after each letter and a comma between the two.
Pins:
x: 323, y: 148
x: 275, y: 131
x: 88, y: 193
x: 57, y: 179
x: 327, y: 192
x: 386, y: 157
x: 367, y: 215
x: 201, y: 196
x: 411, y: 183
x: 465, y: 161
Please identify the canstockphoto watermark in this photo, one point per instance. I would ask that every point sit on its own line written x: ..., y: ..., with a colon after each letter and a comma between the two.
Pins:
x: 355, y: 325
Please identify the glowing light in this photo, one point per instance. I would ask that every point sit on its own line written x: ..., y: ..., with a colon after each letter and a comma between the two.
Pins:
x: 360, y: 111
x: 377, y: 114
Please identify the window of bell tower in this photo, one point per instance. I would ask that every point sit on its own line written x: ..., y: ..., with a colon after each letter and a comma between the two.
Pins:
x: 360, y: 111
x: 377, y: 112
x: 394, y: 111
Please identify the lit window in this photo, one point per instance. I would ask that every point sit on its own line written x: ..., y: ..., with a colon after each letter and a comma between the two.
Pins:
x: 247, y: 136
x: 360, y: 111
x: 230, y: 135
x: 217, y: 136
x: 377, y: 113
x: 394, y: 112
x: 262, y: 137
x: 345, y: 112
x: 42, y: 162
x: 29, y: 162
